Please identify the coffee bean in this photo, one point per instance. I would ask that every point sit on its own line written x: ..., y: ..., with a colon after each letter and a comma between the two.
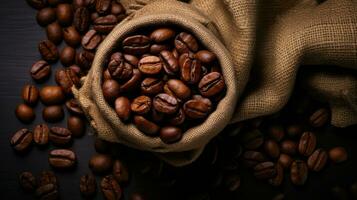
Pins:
x: 136, y: 45
x: 79, y: 4
x: 157, y: 48
x: 71, y: 36
x: 252, y: 158
x: 73, y: 107
x: 94, y: 15
x: 27, y: 181
x: 170, y: 63
x: 64, y: 14
x: 48, y: 191
x: 122, y: 108
x: 205, y: 56
x: 294, y: 130
x: 54, y: 33
x: 25, y: 113
x: 91, y: 40
x: 152, y: 86
x: 265, y: 170
x: 197, y: 108
x: 338, y: 154
x: 62, y: 158
x: 67, y: 78
x: 105, y: 24
x: 68, y: 56
x: 178, y: 89
x: 48, y: 51
x: 101, y: 146
x: 288, y: 147
x: 133, y: 60
x: 106, y: 75
x: 52, y: 114
x: 146, y: 126
x: 40, y: 71
x: 307, y: 143
x: 100, y: 163
x: 111, y: 90
x: 76, y: 125
x: 21, y: 140
x: 319, y: 118
x: 52, y: 95
x: 150, y: 65
x: 141, y: 105
x: 119, y: 69
x: 88, y: 185
x: 185, y: 42
x: 190, y: 68
x: 298, y: 172
x: 103, y: 6
x: 81, y: 20
x: 60, y: 136
x: 276, y: 132
x: 133, y: 82
x: 165, y: 103
x: 47, y: 177
x: 41, y: 134
x: 170, y: 134
x: 30, y: 94
x: 110, y: 188
x: 317, y: 160
x: 162, y: 35
x: 120, y: 172
x: 211, y: 84
x: 285, y: 160
x: 272, y: 148
x: 278, y: 179
x: 37, y: 4
x: 46, y: 16
x: 84, y: 59
x: 232, y: 182
x: 117, y: 8
x: 252, y: 139
x: 178, y: 118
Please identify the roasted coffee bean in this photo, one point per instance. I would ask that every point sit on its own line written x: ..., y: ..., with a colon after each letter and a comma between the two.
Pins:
x: 178, y: 118
x: 48, y: 191
x: 338, y: 154
x: 272, y: 148
x: 252, y: 139
x: 100, y: 163
x: 120, y: 172
x: 133, y: 82
x: 81, y: 20
x: 170, y: 134
x: 84, y: 59
x: 141, y: 105
x: 150, y: 65
x: 88, y: 185
x: 40, y: 71
x: 103, y: 6
x: 175, y: 53
x: 197, y: 108
x: 152, y: 86
x: 136, y: 45
x: 178, y: 89
x: 111, y: 90
x: 110, y: 188
x: 211, y: 84
x: 74, y: 107
x: 119, y: 69
x: 25, y: 113
x: 51, y: 95
x: 298, y: 172
x: 276, y: 132
x: 46, y: 16
x: 205, y: 56
x: 52, y: 114
x: 47, y: 177
x: 54, y: 33
x: 265, y: 170
x: 122, y: 108
x: 317, y: 160
x: 307, y: 143
x: 232, y: 182
x: 170, y: 63
x: 64, y: 14
x: 319, y: 118
x: 165, y: 103
x: 91, y: 40
x: 288, y: 147
x: 117, y: 8
x: 37, y: 4
x: 162, y: 35
x: 68, y: 56
x: 79, y: 4
x: 106, y: 75
x: 62, y: 158
x: 30, y: 94
x: 94, y: 16
x: 71, y: 36
x: 278, y: 179
x: 294, y: 130
x: 76, y: 125
x: 67, y: 78
x: 252, y: 158
x: 190, y: 68
x: 285, y: 160
x: 27, y: 181
x: 60, y: 136
x: 105, y: 24
x: 41, y: 134
x: 101, y: 146
x: 185, y: 42
x: 21, y: 140
x: 146, y: 126
x: 133, y: 60
x: 48, y: 51
x: 157, y: 48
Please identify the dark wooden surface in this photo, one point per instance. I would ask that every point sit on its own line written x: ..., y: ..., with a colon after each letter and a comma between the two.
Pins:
x: 19, y: 35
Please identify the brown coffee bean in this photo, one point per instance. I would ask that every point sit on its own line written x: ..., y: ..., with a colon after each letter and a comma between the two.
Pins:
x: 170, y: 63
x: 185, y: 42
x: 288, y: 147
x: 178, y: 89
x: 52, y: 95
x: 68, y: 56
x: 205, y: 56
x: 62, y: 158
x: 53, y: 113
x: 170, y: 134
x: 110, y: 188
x: 30, y: 94
x: 46, y: 16
x: 81, y: 20
x: 48, y: 191
x: 211, y: 84
x: 197, y: 108
x: 136, y: 45
x: 338, y: 154
x: 279, y: 177
x: 105, y: 24
x: 25, y: 113
x: 120, y: 172
x: 272, y: 148
x: 252, y: 139
x: 162, y: 35
x: 178, y: 118
x: 21, y: 140
x: 100, y: 163
x: 48, y: 51
x: 41, y: 134
x: 106, y: 75
x: 79, y: 3
x: 232, y: 182
x: 276, y: 132
x: 317, y: 160
x: 152, y: 86
x: 84, y: 59
x: 73, y: 107
x: 117, y: 8
x: 122, y: 108
x: 285, y: 160
x: 88, y: 185
x: 54, y: 33
x: 150, y: 65
x: 101, y: 146
x: 252, y: 158
x: 60, y: 136
x: 294, y: 130
x: 40, y: 71
x: 94, y: 16
x: 141, y: 105
x: 146, y: 126
x: 67, y: 78
x: 119, y: 69
x: 47, y: 177
x: 307, y: 143
x: 111, y: 90
x: 319, y: 118
x: 37, y: 4
x: 133, y: 82
x: 71, y: 36
x: 190, y: 68
x: 64, y: 14
x: 298, y: 172
x: 133, y: 60
x: 91, y: 40
x: 165, y: 103
x: 27, y: 181
x: 103, y: 6
x: 76, y: 125
x: 265, y: 170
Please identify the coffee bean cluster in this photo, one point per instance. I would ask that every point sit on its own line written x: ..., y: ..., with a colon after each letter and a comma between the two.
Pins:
x: 163, y: 81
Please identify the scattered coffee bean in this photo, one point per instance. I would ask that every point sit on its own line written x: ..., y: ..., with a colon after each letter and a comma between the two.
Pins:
x: 294, y: 130
x: 252, y: 158
x: 48, y: 51
x: 64, y: 14
x: 67, y: 78
x: 100, y: 163
x: 298, y: 172
x: 47, y: 177
x: 110, y: 188
x: 41, y: 134
x: 48, y: 191
x: 62, y: 158
x: 53, y: 114
x: 265, y: 170
x: 338, y: 154
x: 81, y: 20
x: 288, y: 147
x: 91, y: 40
x: 84, y: 59
x: 278, y: 179
x: 319, y: 118
x: 105, y: 24
x: 25, y: 113
x: 60, y: 136
x: 120, y: 172
x: 52, y: 95
x: 76, y: 125
x: 37, y: 4
x: 46, y: 16
x: 27, y: 181
x: 101, y: 146
x: 272, y: 148
x: 71, y: 36
x: 21, y: 140
x: 285, y: 160
x: 40, y: 71
x: 54, y: 33
x: 30, y: 94
x: 74, y: 108
x: 170, y: 134
x: 307, y: 143
x: 88, y: 185
x: 68, y: 56
x: 317, y: 160
x: 276, y: 132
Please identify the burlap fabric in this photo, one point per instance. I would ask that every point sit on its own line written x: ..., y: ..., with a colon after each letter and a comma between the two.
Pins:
x: 264, y: 42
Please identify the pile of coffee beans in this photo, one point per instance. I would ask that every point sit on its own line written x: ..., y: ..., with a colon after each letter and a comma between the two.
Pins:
x: 163, y: 81
x: 45, y: 187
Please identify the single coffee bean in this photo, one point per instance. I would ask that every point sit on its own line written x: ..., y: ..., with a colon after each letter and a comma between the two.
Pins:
x: 170, y: 134
x: 165, y: 103
x: 178, y: 89
x: 252, y: 139
x: 307, y: 143
x: 111, y: 90
x: 68, y: 56
x: 76, y: 125
x: 317, y: 160
x: 146, y: 126
x: 64, y: 14
x: 136, y: 45
x: 81, y: 20
x: 110, y: 188
x: 205, y: 56
x: 106, y: 75
x: 88, y: 185
x: 298, y: 172
x: 141, y: 105
x: 276, y: 132
x: 294, y: 130
x: 170, y: 63
x: 100, y: 163
x: 53, y: 114
x: 133, y: 82
x: 252, y: 158
x: 178, y: 118
x: 133, y: 60
x: 101, y: 146
x: 157, y: 48
x: 272, y: 148
x: 190, y: 68
x: 103, y: 6
x: 152, y: 86
x: 62, y: 158
x: 48, y: 51
x: 94, y: 16
x: 162, y: 35
x: 319, y: 118
x: 120, y: 172
x: 197, y: 108
x: 278, y: 179
x: 150, y: 65
x: 48, y: 191
x: 46, y: 16
x: 119, y: 69
x: 122, y: 108
x: 52, y: 95
x: 73, y: 107
x: 41, y: 134
x: 40, y: 71
x: 211, y: 84
x: 288, y: 147
x: 27, y: 181
x: 47, y: 177
x: 265, y: 170
x: 25, y: 113
x: 117, y: 8
x: 91, y: 40
x: 21, y: 140
x: 54, y: 33
x: 60, y: 136
x: 285, y: 160
x: 67, y: 78
x: 338, y: 154
x: 37, y: 4
x: 71, y: 36
x: 30, y: 94
x: 84, y: 59
x: 185, y: 42
x: 105, y: 24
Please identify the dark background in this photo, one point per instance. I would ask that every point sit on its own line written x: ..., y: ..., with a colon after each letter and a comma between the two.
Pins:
x: 19, y: 36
